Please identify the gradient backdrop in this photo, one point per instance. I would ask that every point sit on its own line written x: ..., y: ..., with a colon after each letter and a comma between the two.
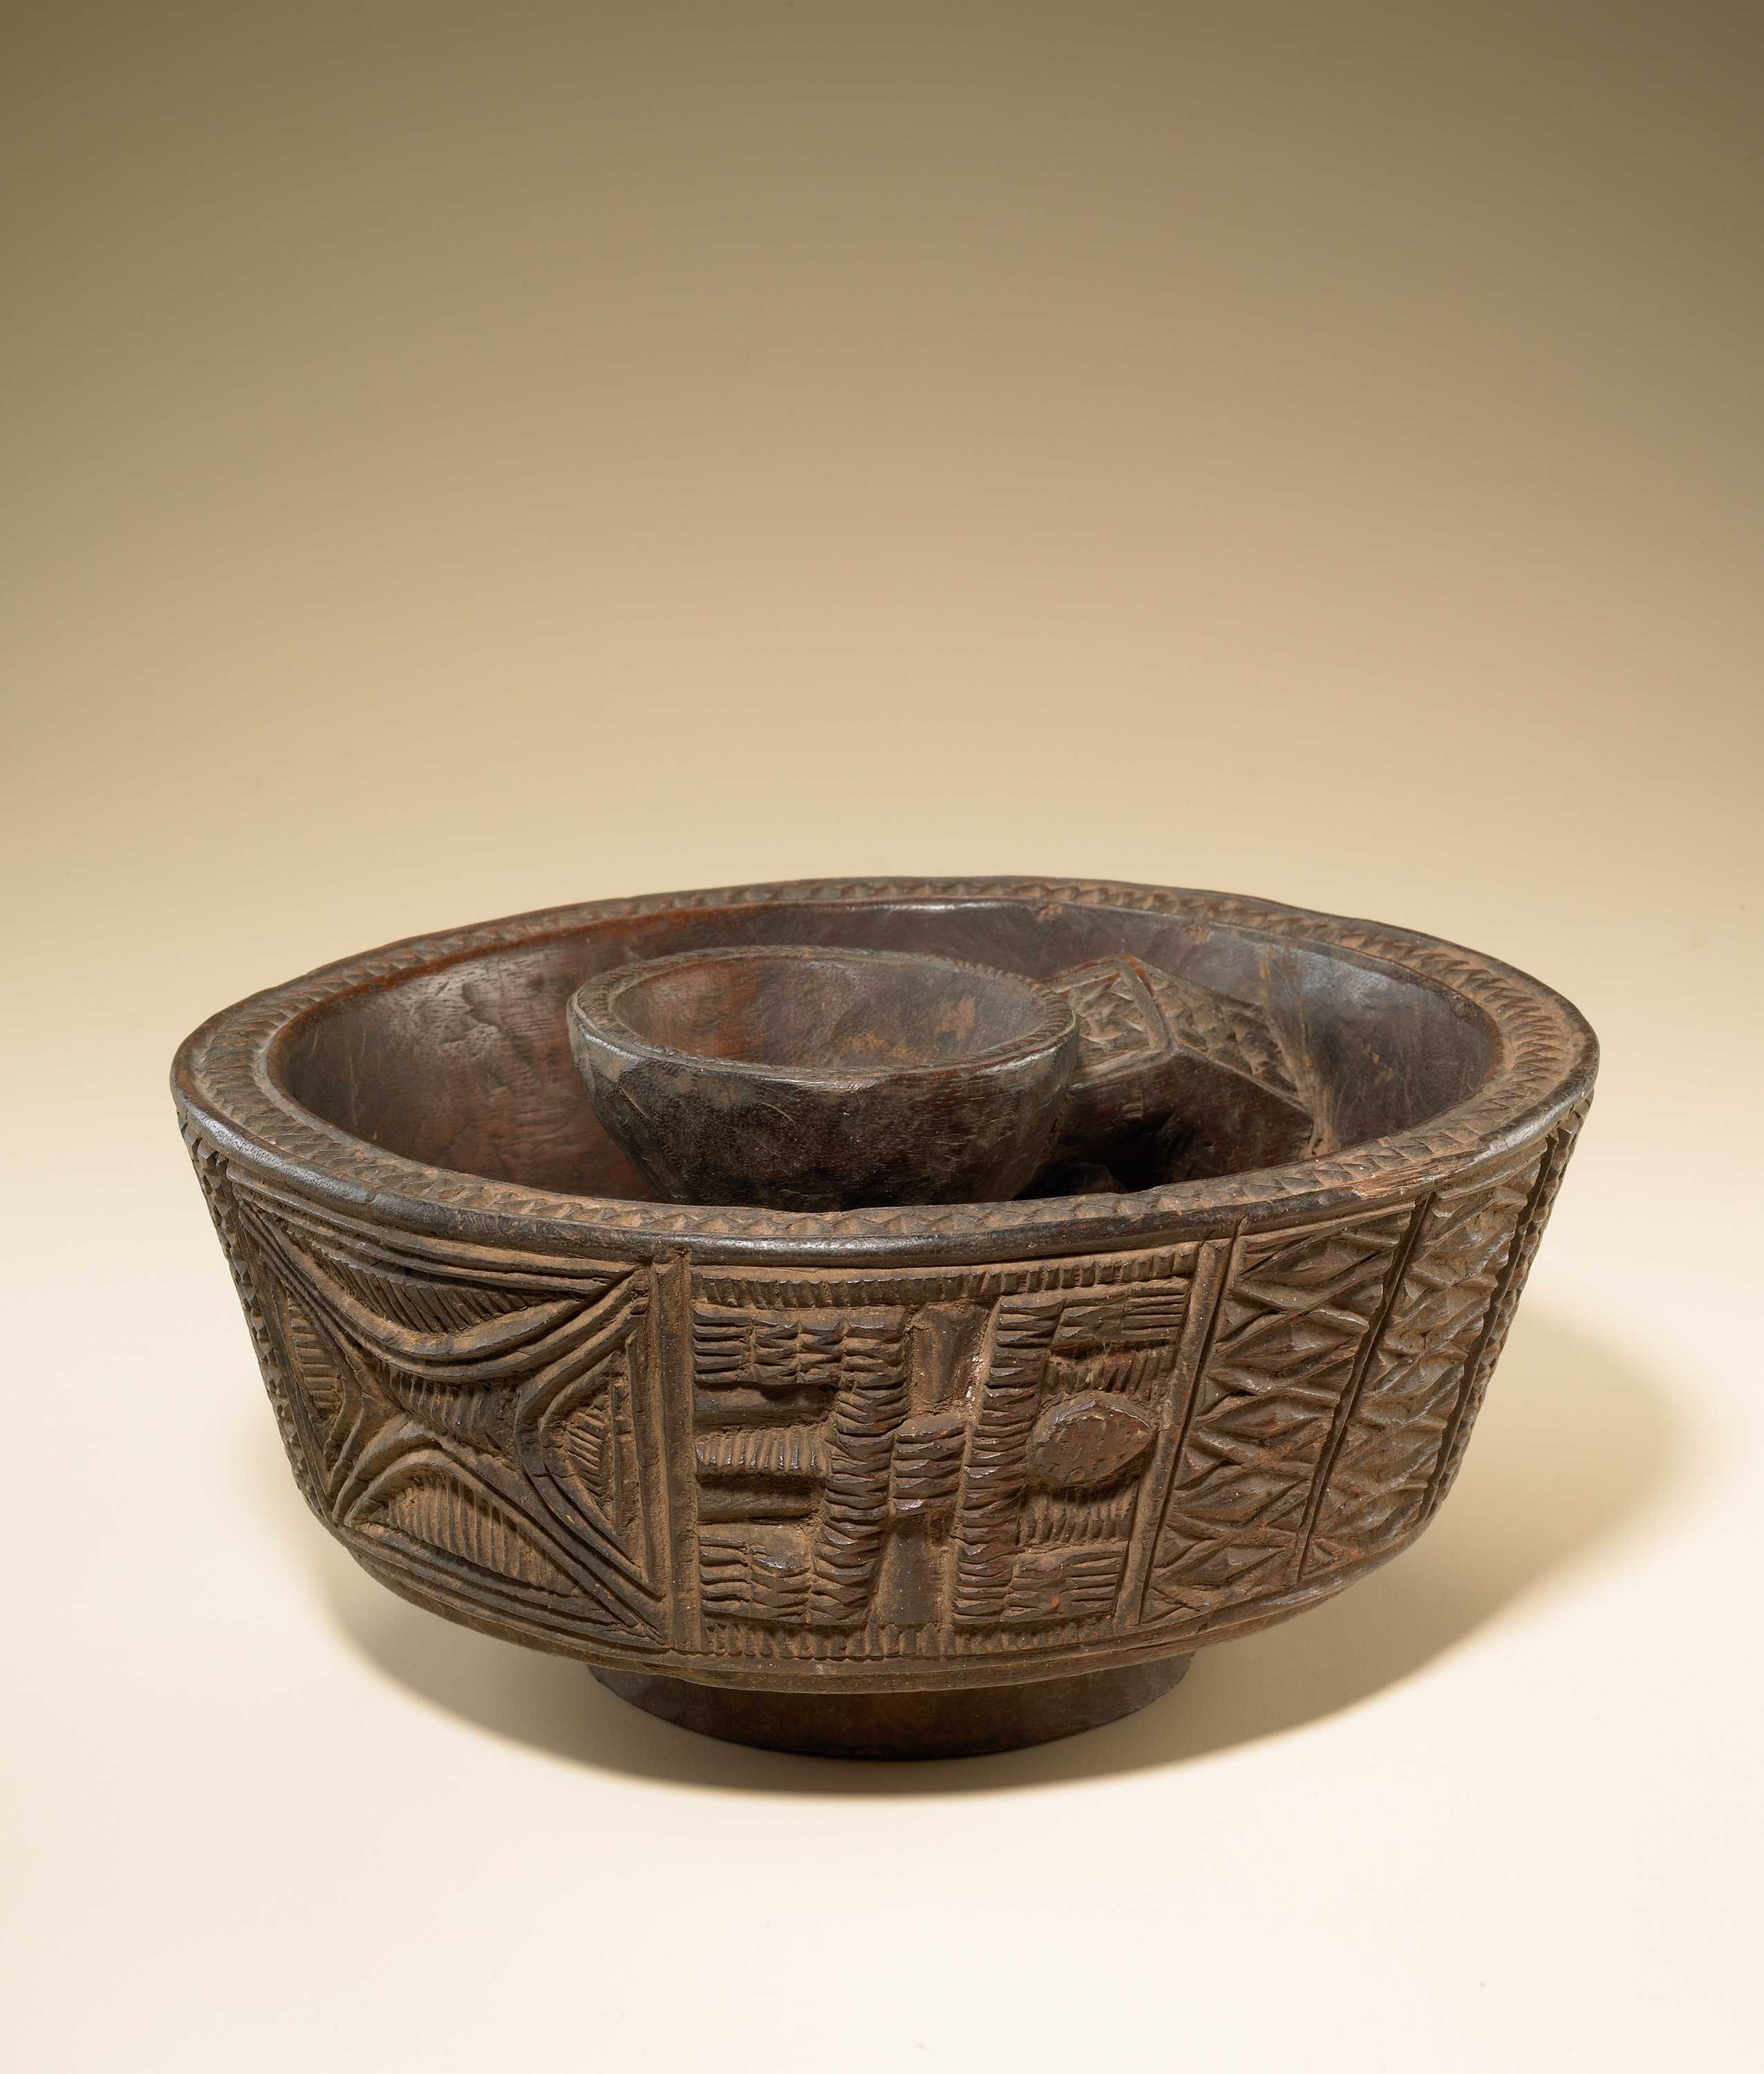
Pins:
x: 460, y: 459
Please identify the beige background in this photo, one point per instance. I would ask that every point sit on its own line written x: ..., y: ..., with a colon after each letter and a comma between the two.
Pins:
x: 463, y: 459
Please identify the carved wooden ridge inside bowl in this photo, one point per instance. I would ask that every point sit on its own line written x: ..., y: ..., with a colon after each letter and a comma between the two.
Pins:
x: 909, y: 1478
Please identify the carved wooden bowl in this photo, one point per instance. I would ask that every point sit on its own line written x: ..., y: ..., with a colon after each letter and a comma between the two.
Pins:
x: 913, y: 1480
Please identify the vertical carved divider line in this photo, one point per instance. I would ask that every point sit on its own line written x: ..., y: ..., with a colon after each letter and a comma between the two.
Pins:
x: 670, y: 1343
x: 1214, y: 1264
x: 1350, y: 1397
x: 650, y: 1429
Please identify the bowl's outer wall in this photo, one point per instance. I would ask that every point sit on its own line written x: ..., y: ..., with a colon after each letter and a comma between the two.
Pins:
x: 774, y: 1473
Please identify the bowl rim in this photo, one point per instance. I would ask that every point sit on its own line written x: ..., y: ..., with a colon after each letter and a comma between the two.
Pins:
x: 226, y: 1083
x: 594, y: 1010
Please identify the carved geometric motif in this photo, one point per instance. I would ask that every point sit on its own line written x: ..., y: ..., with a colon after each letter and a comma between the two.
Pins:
x: 576, y: 1435
x: 1025, y: 1456
x: 1292, y: 1328
x: 211, y: 1172
x: 425, y: 1502
x: 956, y: 1467
x: 795, y: 1416
x: 487, y: 1430
x: 1128, y: 1011
x: 1069, y: 1407
x: 1233, y: 1033
x: 1408, y: 1396
x: 1525, y: 1247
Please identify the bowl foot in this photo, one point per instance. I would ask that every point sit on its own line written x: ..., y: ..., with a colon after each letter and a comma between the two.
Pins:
x: 972, y: 1721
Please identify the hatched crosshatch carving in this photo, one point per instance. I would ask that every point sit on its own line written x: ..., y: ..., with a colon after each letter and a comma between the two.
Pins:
x: 486, y: 1432
x: 926, y: 1473
x: 1557, y: 1148
x: 1295, y: 1321
x: 1068, y: 1415
x: 1400, y: 1418
x: 1128, y: 1011
x: 794, y: 1416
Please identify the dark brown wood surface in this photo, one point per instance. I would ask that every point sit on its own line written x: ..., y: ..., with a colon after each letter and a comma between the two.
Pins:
x: 808, y: 1078
x: 917, y: 1448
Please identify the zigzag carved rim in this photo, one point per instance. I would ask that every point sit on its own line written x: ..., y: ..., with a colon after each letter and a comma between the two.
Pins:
x: 224, y: 1082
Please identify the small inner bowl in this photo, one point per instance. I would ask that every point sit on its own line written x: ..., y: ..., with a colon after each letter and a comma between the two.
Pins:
x: 841, y: 1013
x: 802, y: 1077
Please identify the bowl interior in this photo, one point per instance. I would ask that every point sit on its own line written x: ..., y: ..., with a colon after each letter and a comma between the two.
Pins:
x: 465, y: 1064
x: 828, y: 1012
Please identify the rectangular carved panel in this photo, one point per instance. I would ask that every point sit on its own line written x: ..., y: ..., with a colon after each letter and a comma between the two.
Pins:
x: 1403, y: 1414
x: 1293, y: 1327
x: 480, y: 1423
x: 1537, y: 1215
x: 959, y: 1460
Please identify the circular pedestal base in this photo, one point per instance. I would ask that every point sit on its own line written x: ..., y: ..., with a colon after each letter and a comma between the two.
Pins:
x: 969, y: 1722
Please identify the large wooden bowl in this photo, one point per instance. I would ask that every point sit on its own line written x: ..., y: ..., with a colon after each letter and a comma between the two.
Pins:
x: 916, y: 1480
